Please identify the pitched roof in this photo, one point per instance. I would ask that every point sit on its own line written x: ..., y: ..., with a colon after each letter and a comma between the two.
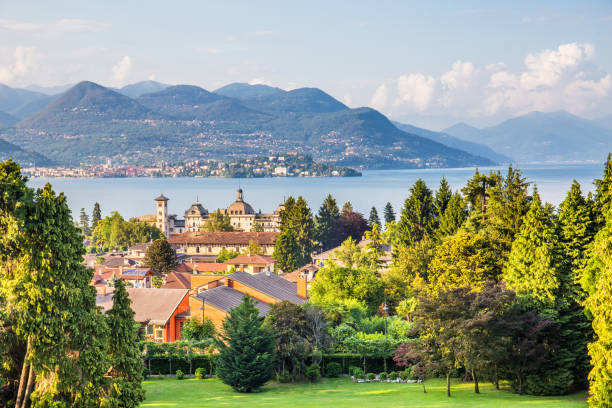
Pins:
x: 269, y: 283
x: 224, y: 238
x: 149, y: 304
x: 162, y: 198
x: 177, y: 280
x: 201, y: 267
x: 136, y: 273
x: 250, y: 259
x: 226, y: 299
x: 310, y: 270
x: 117, y: 261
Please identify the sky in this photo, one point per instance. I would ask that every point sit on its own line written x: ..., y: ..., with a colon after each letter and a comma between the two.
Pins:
x: 430, y: 64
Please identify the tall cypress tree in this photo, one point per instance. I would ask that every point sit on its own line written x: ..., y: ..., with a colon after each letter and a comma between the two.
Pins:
x: 389, y: 214
x: 125, y: 357
x: 326, y: 223
x: 287, y: 252
x: 246, y: 349
x: 84, y: 222
x: 96, y: 216
x: 418, y: 215
x: 373, y: 218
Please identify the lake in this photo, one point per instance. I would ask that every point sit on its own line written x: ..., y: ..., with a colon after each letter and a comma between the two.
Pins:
x: 134, y: 196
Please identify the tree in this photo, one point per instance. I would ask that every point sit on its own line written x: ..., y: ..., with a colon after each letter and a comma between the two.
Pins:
x: 477, y: 191
x: 352, y: 224
x: 96, y: 216
x: 297, y: 218
x: 246, y: 349
x: 58, y: 325
x: 464, y: 259
x: 442, y: 198
x: 418, y: 215
x: 124, y: 354
x: 253, y: 249
x: 115, y: 232
x: 453, y: 217
x: 196, y: 330
x: 160, y: 257
x: 597, y: 282
x: 326, y: 228
x: 84, y: 222
x: 603, y: 193
x: 373, y: 218
x: 217, y: 222
x: 389, y: 214
x: 226, y: 254
x: 289, y: 323
x: 287, y: 252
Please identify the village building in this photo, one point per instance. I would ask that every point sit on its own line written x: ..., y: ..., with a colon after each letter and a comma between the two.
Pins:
x: 133, y: 277
x: 195, y: 283
x: 242, y: 217
x: 163, y: 311
x: 265, y: 288
x: 208, y: 245
x: 251, y: 263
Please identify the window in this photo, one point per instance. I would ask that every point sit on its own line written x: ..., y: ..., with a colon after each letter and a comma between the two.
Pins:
x: 209, y: 249
x: 198, y: 249
x: 159, y: 334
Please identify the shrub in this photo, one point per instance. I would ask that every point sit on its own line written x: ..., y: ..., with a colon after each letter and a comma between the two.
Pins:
x: 179, y: 375
x: 284, y: 377
x: 352, y: 370
x: 393, y: 375
x: 313, y: 372
x: 382, y: 376
x: 357, y: 372
x: 145, y: 372
x: 200, y: 374
x: 333, y: 369
x: 404, y: 375
x: 409, y: 372
x: 371, y: 376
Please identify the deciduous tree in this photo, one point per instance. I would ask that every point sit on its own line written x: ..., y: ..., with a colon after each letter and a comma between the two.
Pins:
x: 160, y: 257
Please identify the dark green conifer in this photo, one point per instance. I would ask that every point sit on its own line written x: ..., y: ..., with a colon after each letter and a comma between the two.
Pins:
x: 373, y: 218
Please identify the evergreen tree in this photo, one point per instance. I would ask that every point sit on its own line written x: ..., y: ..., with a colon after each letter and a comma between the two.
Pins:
x: 347, y: 208
x: 59, y: 326
x: 453, y: 217
x: 373, y: 218
x: 443, y: 197
x: 96, y: 216
x: 217, y: 222
x: 477, y: 191
x: 297, y: 218
x: 84, y: 222
x: 287, y: 252
x: 125, y: 357
x: 597, y: 282
x: 246, y: 349
x: 389, y: 214
x: 326, y: 224
x: 603, y: 195
x: 418, y: 215
x: 160, y: 257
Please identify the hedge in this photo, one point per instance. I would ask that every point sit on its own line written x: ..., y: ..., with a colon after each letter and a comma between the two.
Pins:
x: 373, y: 364
x: 166, y: 365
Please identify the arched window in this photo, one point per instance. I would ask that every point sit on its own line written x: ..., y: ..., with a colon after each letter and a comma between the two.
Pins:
x: 198, y: 249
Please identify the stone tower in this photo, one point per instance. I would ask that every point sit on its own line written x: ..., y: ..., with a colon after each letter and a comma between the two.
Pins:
x: 161, y: 214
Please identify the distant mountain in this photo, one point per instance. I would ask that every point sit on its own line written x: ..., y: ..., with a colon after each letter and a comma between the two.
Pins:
x: 85, y: 104
x: 90, y: 123
x: 49, y: 90
x: 7, y: 120
x: 242, y: 91
x: 25, y: 158
x: 476, y: 149
x: 542, y: 137
x: 35, y: 106
x: 141, y: 88
x: 12, y: 99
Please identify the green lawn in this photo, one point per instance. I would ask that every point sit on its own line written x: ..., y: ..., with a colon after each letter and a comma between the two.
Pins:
x: 341, y: 392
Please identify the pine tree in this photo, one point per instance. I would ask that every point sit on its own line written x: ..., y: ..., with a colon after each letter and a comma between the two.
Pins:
x: 246, y: 349
x: 389, y: 214
x: 326, y: 223
x: 418, y: 215
x: 453, y: 217
x: 373, y: 218
x: 443, y: 197
x: 59, y: 324
x: 477, y: 191
x: 125, y: 357
x: 603, y: 195
x: 160, y: 257
x: 84, y: 223
x: 597, y: 282
x: 297, y: 217
x: 96, y: 216
x: 287, y: 252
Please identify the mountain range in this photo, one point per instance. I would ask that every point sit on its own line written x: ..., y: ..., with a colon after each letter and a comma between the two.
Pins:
x: 149, y: 121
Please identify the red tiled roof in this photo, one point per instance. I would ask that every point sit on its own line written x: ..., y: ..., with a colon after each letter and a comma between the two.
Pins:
x: 250, y: 259
x: 224, y: 238
x: 177, y: 280
x: 201, y: 267
x: 153, y: 305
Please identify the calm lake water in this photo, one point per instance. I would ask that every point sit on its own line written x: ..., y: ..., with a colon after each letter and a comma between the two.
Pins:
x: 134, y: 196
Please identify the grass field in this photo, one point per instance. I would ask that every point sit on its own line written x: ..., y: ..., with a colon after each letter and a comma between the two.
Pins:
x: 342, y: 392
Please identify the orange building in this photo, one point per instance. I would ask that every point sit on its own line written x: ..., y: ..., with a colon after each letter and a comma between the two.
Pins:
x: 162, y: 310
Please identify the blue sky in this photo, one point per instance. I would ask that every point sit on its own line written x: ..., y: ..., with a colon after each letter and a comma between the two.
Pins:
x: 427, y: 63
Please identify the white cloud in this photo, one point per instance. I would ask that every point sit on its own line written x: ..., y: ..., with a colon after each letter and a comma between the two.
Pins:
x: 122, y: 70
x: 416, y: 90
x: 25, y: 62
x: 259, y: 81
x: 63, y: 26
x: 151, y: 77
x: 551, y: 79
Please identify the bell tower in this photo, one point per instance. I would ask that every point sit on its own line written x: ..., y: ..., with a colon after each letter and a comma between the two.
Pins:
x: 161, y: 214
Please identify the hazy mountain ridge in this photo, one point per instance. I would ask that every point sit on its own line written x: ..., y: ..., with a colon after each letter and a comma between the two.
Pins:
x: 23, y: 157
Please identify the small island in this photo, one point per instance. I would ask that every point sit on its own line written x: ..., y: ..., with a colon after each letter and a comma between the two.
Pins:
x: 282, y: 165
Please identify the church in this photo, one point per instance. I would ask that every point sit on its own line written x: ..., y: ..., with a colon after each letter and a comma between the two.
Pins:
x: 241, y: 214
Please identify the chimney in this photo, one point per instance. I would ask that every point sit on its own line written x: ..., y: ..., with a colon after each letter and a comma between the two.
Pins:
x: 302, y: 286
